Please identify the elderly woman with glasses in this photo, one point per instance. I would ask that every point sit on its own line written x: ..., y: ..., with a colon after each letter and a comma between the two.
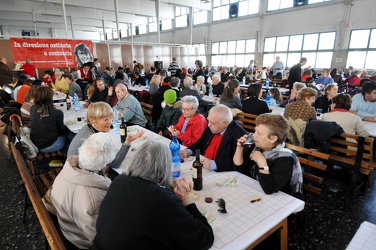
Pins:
x: 149, y: 210
x: 275, y: 166
x: 191, y: 125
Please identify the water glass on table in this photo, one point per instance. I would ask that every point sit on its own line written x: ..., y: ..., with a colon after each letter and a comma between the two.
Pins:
x: 318, y: 112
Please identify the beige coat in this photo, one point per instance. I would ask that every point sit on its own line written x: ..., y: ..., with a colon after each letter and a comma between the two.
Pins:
x: 77, y: 195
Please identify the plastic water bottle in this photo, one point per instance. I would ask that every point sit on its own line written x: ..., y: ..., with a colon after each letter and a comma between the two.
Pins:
x: 115, y: 120
x: 76, y: 103
x: 243, y: 79
x: 267, y: 82
x: 175, y: 147
x: 146, y: 84
x: 267, y: 98
x: 210, y: 92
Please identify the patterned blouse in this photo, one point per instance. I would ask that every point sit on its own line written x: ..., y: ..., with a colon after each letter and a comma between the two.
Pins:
x: 300, y: 109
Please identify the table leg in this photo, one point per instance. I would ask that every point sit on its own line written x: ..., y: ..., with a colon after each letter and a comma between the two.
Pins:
x: 284, y: 234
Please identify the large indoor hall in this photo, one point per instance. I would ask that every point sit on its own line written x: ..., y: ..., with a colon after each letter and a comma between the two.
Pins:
x: 199, y: 124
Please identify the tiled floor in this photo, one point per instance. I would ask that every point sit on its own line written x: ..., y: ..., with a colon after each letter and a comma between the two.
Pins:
x: 331, y: 221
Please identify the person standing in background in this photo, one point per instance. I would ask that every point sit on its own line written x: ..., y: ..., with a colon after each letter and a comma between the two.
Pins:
x: 28, y: 68
x: 278, y: 66
x: 173, y: 67
x: 296, y: 72
x: 5, y: 76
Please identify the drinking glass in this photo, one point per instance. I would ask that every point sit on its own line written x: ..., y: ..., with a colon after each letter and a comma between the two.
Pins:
x: 318, y: 112
x: 249, y: 141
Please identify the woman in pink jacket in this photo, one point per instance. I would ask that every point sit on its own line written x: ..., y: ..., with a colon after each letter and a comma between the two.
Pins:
x: 191, y: 125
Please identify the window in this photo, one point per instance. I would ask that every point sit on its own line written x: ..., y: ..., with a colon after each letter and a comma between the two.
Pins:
x: 362, y: 49
x: 317, y: 48
x: 232, y: 53
x: 123, y: 33
x: 245, y: 7
x: 181, y: 17
x: 283, y: 4
x: 142, y: 29
x: 166, y: 24
x: 153, y: 24
x: 200, y: 17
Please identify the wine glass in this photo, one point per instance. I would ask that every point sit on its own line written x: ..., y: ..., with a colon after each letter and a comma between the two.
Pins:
x: 250, y: 140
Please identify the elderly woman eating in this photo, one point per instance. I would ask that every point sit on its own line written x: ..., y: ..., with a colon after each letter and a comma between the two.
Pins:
x: 275, y: 166
x: 80, y: 187
x: 145, y: 209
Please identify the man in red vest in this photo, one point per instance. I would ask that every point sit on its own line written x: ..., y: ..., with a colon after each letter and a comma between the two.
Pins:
x: 218, y: 143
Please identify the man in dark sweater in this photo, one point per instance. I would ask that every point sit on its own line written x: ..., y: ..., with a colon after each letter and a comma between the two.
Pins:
x: 218, y: 86
x: 296, y: 72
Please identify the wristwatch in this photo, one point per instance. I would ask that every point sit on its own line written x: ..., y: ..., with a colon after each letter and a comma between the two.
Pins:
x: 266, y: 168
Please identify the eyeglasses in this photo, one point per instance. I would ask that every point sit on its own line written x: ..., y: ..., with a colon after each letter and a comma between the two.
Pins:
x: 186, y: 109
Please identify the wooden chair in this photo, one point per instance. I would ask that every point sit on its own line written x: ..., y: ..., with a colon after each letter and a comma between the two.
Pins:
x: 51, y: 232
x: 310, y: 159
x: 147, y: 108
x: 247, y: 121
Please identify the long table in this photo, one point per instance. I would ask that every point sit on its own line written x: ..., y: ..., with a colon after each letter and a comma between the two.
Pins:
x: 365, y: 237
x: 245, y: 224
x: 70, y: 116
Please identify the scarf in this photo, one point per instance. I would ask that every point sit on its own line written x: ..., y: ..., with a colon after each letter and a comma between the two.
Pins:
x: 296, y: 180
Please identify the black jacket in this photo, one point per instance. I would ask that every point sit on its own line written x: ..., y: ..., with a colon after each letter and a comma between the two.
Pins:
x: 226, y: 148
x: 318, y: 133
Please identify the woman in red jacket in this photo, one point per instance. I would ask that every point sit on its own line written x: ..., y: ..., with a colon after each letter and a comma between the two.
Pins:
x: 191, y: 125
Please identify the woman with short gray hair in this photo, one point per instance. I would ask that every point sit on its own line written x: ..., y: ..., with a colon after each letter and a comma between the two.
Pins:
x: 79, y: 189
x: 149, y: 210
x: 191, y: 125
x: 200, y: 86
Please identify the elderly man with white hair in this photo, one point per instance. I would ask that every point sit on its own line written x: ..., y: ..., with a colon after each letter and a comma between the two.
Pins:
x: 80, y: 187
x: 218, y: 86
x: 219, y: 141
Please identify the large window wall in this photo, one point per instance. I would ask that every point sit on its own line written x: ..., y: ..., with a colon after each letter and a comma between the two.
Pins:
x: 317, y: 48
x: 221, y: 8
x: 362, y: 49
x: 232, y: 53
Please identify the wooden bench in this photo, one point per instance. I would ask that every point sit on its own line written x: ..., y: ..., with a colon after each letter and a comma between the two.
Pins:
x: 247, y: 121
x: 51, y: 232
x: 356, y: 153
x: 42, y: 159
x: 310, y: 159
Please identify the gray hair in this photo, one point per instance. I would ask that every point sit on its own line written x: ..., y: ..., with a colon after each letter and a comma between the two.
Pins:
x: 299, y: 85
x: 201, y: 78
x: 191, y: 100
x: 152, y: 162
x: 175, y: 81
x: 216, y: 76
x: 122, y: 86
x: 99, y: 145
x: 74, y: 75
x: 223, y: 111
x: 188, y: 82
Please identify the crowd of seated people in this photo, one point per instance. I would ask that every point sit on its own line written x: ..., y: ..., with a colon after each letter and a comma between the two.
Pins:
x: 215, y: 132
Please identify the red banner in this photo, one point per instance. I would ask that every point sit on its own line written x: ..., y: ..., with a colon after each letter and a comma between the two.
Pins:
x: 52, y: 53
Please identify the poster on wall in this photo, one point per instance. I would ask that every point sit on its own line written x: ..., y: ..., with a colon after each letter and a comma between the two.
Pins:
x: 52, y: 53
